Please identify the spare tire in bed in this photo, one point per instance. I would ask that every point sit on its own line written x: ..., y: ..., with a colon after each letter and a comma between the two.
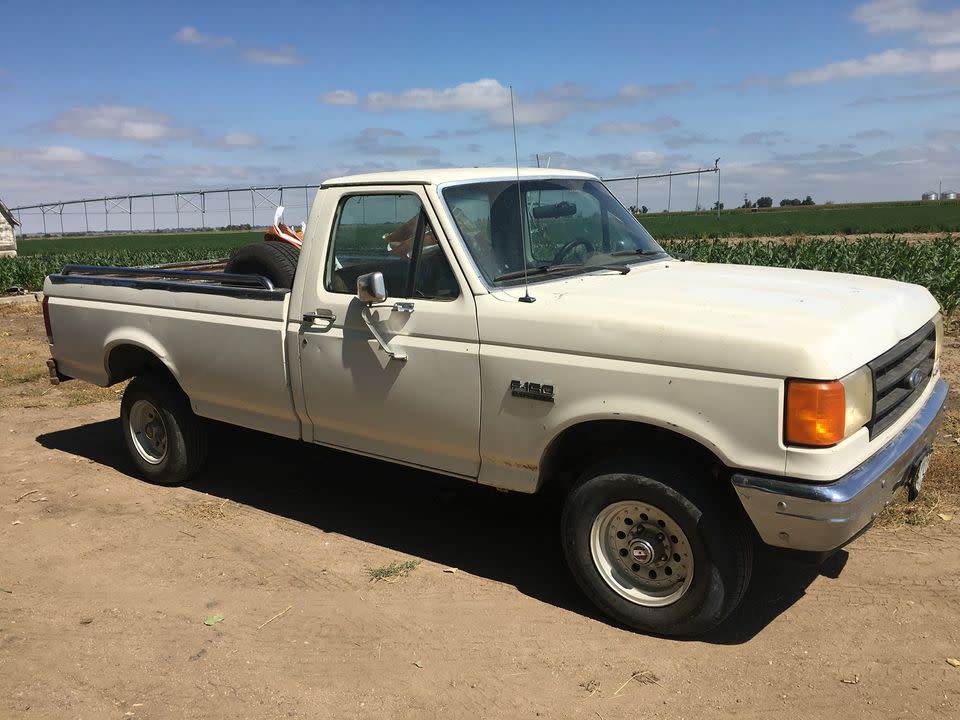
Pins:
x: 276, y: 261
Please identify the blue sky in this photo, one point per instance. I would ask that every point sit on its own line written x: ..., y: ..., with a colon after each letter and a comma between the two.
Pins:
x: 844, y: 101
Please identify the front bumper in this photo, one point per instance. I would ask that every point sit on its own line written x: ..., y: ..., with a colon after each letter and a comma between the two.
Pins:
x: 822, y: 517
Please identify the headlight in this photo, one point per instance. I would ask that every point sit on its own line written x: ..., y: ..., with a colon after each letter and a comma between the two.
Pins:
x: 938, y: 324
x: 822, y: 413
x: 858, y: 392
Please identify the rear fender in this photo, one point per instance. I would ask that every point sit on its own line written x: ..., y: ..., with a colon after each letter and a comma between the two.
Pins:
x: 138, y: 338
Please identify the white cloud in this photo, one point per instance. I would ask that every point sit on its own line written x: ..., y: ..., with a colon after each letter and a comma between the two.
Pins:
x: 929, y: 27
x: 489, y: 98
x: 652, y: 92
x: 378, y: 132
x: 635, y: 128
x: 340, y: 97
x: 918, y: 97
x: 760, y: 137
x: 908, y: 16
x: 370, y: 142
x: 682, y: 140
x: 189, y: 35
x: 140, y: 125
x: 608, y: 164
x: 872, y: 134
x: 947, y: 137
x: 455, y: 133
x: 890, y: 62
x: 239, y: 140
x: 58, y: 173
x: 480, y: 96
x: 841, y: 174
x: 118, y: 122
x: 826, y: 154
x: 283, y: 55
x: 59, y: 161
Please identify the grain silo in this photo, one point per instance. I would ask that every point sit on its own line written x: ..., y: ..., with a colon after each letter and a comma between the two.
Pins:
x: 930, y: 196
x: 949, y: 195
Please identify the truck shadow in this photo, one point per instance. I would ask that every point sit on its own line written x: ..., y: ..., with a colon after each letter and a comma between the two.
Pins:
x: 507, y: 537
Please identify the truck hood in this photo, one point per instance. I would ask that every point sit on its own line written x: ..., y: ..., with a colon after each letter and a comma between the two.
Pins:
x: 738, y: 318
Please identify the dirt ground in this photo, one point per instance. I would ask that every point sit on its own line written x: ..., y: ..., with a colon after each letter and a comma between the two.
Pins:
x: 106, y: 581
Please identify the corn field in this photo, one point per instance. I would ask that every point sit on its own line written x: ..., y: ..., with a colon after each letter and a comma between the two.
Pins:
x: 29, y: 271
x: 934, y: 264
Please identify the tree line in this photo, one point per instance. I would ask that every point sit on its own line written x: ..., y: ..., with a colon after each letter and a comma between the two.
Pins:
x: 767, y: 201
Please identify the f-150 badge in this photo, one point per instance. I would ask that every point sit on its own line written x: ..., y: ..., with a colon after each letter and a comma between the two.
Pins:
x: 531, y: 390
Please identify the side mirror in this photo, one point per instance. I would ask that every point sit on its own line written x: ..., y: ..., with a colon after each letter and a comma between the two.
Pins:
x: 371, y: 288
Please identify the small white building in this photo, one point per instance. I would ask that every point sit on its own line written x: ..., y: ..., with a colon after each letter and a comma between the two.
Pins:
x: 8, y: 238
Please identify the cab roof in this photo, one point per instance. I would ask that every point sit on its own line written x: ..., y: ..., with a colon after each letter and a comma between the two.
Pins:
x: 445, y: 175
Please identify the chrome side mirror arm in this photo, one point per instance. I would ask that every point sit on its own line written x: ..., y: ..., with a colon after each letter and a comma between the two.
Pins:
x: 371, y: 289
x: 384, y: 345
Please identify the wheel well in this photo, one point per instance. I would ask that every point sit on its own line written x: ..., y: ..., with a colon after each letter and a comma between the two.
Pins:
x: 127, y: 361
x: 580, y: 446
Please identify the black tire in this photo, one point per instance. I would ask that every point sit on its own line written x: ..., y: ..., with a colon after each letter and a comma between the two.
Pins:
x: 185, y: 438
x: 276, y: 261
x: 717, y: 539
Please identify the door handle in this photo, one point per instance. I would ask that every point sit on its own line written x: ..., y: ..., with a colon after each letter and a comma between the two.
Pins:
x: 404, y: 307
x: 320, y: 314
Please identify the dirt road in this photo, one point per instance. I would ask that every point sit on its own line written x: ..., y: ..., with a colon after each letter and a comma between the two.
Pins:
x: 105, y: 583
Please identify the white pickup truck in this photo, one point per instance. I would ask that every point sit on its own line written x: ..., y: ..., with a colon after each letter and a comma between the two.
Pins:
x: 523, y: 330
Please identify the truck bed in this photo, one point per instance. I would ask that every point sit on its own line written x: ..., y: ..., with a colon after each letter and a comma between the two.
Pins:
x: 176, y: 277
x: 207, y: 328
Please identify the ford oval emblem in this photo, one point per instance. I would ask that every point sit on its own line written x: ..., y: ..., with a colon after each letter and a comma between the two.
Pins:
x: 914, y: 378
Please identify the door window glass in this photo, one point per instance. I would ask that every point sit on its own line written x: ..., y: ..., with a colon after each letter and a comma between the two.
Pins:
x: 388, y: 233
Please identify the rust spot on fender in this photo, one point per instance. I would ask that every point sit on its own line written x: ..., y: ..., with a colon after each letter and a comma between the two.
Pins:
x: 514, y: 464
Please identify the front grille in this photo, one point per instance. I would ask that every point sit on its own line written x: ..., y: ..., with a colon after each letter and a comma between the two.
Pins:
x: 893, y: 391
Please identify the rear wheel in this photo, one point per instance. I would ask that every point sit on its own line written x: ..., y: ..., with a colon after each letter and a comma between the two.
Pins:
x: 166, y: 441
x: 276, y: 261
x: 654, y: 548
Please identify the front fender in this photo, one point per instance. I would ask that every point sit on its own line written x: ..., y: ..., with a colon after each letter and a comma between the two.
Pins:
x: 735, y: 417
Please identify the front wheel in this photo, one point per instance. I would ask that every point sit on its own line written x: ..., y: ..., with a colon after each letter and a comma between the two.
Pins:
x: 166, y: 441
x: 655, y: 547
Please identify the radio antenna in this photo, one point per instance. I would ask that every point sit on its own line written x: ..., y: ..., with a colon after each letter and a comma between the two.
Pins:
x: 523, y: 250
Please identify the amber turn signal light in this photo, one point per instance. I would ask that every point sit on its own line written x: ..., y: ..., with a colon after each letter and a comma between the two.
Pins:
x: 816, y: 413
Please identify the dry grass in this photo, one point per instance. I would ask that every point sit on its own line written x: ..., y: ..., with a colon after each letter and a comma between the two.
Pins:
x: 23, y: 369
x: 941, y: 487
x: 393, y: 570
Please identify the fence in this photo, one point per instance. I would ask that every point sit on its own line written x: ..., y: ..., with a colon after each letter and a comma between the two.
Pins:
x: 232, y: 207
x: 667, y: 179
x: 185, y: 210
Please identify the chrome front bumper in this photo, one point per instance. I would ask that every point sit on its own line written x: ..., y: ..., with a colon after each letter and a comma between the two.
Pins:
x: 822, y: 517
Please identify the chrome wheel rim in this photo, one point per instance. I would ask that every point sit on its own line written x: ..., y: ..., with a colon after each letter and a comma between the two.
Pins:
x: 641, y: 553
x: 147, y: 431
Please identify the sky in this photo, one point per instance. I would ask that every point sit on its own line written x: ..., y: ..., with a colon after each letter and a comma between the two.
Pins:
x: 841, y: 101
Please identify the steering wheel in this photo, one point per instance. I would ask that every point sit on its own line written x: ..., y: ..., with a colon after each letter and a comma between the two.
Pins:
x: 566, y: 249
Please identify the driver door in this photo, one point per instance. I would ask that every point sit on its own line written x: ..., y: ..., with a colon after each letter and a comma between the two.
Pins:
x: 424, y: 410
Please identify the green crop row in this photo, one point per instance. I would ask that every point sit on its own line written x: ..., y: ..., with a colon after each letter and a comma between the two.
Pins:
x: 137, y: 241
x: 934, y: 264
x: 28, y: 271
x: 887, y: 219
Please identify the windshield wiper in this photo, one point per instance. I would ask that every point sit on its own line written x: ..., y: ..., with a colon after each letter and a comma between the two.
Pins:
x: 620, y: 253
x: 543, y: 269
x: 535, y: 270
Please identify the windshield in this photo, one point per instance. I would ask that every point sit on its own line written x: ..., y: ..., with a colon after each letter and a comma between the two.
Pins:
x: 570, y: 225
